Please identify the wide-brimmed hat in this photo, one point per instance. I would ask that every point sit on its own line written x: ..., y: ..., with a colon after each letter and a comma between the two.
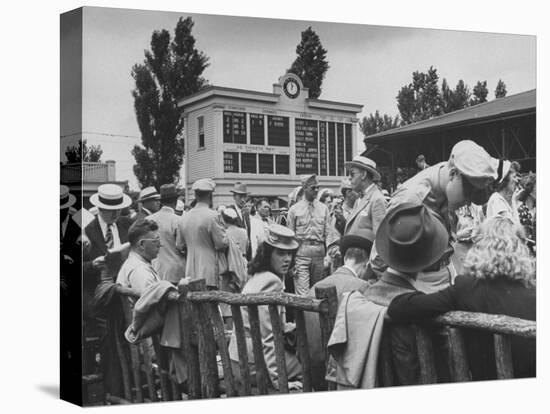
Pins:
x: 365, y: 163
x: 363, y: 240
x: 411, y: 238
x: 307, y: 178
x: 168, y: 192
x: 239, y: 188
x: 110, y: 197
x: 281, y: 237
x: 474, y: 162
x: 66, y: 199
x: 148, y: 193
x: 204, y: 184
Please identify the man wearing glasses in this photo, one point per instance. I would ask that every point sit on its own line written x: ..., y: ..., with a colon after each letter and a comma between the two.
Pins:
x: 309, y: 219
x: 137, y: 272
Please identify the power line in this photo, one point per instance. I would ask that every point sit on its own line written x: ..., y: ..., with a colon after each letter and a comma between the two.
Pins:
x: 99, y: 133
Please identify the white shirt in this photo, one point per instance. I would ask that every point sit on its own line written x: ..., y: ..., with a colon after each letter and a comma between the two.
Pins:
x: 114, y: 230
x: 499, y: 206
x: 137, y: 273
x: 258, y: 229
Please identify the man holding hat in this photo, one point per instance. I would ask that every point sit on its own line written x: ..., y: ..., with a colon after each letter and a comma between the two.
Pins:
x: 443, y: 188
x: 240, y: 195
x: 355, y: 249
x: 202, y: 234
x: 410, y: 238
x: 149, y: 200
x: 108, y: 230
x: 309, y: 219
x: 170, y: 263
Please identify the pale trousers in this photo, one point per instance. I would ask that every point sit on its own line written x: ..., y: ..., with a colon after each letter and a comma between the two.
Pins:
x: 309, y: 267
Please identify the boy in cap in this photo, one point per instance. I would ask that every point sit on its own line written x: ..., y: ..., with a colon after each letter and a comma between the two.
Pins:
x: 443, y: 188
x: 202, y: 234
x: 309, y: 220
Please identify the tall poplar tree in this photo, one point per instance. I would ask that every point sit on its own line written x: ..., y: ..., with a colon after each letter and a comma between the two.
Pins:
x: 500, y: 91
x: 172, y: 69
x: 311, y: 63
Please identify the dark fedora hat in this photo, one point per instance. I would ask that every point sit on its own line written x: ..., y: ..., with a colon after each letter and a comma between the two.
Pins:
x: 362, y: 241
x: 168, y: 192
x: 411, y: 238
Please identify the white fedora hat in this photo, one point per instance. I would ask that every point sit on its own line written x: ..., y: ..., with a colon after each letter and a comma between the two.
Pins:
x: 66, y: 198
x: 110, y: 197
x: 365, y: 163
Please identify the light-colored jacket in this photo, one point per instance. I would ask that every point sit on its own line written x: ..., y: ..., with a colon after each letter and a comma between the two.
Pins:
x: 265, y: 282
x: 200, y: 231
x: 170, y: 263
x: 368, y: 212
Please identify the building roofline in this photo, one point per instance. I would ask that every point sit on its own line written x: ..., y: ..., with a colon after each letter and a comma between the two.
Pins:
x: 414, y: 129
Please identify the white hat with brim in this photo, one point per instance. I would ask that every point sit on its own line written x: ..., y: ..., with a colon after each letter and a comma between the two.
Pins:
x: 110, y: 197
x: 472, y: 161
x: 203, y: 184
x: 364, y: 163
x: 281, y: 237
x: 149, y: 193
x: 66, y: 198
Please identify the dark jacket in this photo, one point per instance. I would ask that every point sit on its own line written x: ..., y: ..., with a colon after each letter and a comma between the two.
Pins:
x: 497, y: 296
x: 98, y: 248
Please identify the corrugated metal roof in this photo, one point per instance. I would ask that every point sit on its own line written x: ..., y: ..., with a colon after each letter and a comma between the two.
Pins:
x: 523, y: 102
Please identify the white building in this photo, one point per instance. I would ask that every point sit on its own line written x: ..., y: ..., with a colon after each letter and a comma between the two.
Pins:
x: 266, y: 140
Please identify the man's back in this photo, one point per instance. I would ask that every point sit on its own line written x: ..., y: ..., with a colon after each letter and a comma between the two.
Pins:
x: 170, y: 263
x: 203, y: 235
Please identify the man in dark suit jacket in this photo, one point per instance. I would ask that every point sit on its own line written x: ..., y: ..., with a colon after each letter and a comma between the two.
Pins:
x: 355, y: 250
x: 106, y: 231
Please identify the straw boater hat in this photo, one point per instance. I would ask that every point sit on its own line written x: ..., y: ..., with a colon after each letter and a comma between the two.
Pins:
x: 148, y: 193
x: 110, y: 197
x: 66, y: 198
x: 239, y: 188
x: 411, y: 238
x: 281, y: 237
x: 364, y: 163
x: 361, y: 240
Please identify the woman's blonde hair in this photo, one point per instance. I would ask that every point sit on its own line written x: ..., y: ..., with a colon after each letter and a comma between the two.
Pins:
x: 500, y: 251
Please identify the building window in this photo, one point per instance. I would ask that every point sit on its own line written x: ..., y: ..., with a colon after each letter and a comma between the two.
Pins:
x: 201, y: 131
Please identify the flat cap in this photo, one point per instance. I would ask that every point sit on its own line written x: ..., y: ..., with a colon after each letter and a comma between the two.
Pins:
x: 204, y: 184
x: 474, y: 162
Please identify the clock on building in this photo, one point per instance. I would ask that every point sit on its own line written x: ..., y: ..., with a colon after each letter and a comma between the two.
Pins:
x: 291, y: 88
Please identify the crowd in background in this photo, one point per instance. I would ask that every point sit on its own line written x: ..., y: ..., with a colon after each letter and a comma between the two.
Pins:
x: 447, y: 237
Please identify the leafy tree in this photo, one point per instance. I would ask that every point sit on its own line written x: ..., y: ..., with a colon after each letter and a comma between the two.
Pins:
x: 500, y: 91
x: 310, y: 64
x: 375, y: 123
x: 83, y: 153
x: 172, y: 69
x: 420, y: 99
x: 480, y: 93
x: 453, y: 100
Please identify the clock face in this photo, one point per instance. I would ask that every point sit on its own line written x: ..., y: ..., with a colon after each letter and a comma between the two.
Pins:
x: 291, y: 88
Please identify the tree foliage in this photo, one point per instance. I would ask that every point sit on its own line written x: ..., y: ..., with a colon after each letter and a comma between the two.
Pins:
x: 420, y: 99
x: 480, y: 93
x: 83, y: 153
x: 311, y: 64
x: 500, y: 91
x: 375, y: 123
x: 172, y: 69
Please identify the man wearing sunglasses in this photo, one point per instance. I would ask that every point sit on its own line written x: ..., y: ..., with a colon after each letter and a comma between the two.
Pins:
x: 137, y: 272
x: 310, y: 220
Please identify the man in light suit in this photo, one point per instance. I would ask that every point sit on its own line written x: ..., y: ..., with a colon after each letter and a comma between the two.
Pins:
x: 170, y: 263
x: 355, y: 249
x: 202, y: 233
x: 370, y: 209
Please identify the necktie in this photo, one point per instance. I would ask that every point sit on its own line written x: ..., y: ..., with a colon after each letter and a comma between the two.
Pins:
x: 109, y: 242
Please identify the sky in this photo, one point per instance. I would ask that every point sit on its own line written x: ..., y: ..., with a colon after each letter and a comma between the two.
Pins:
x: 368, y: 64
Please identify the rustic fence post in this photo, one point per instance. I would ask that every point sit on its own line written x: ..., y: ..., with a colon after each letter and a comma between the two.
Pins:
x: 503, y: 356
x: 189, y: 345
x: 426, y: 358
x: 327, y: 319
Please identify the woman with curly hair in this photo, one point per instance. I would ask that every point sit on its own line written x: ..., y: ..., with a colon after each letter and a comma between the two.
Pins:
x: 274, y: 258
x: 499, y: 278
